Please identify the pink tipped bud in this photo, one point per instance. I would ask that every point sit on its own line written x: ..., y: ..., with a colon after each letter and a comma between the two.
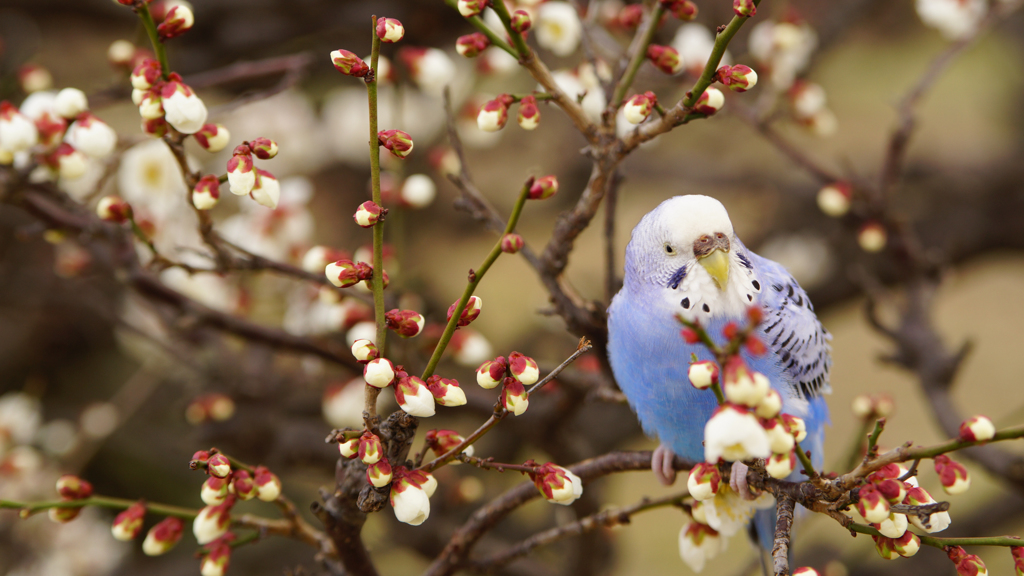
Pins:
x: 935, y: 522
x: 493, y: 114
x: 684, y: 10
x: 364, y: 350
x: 370, y: 449
x: 639, y: 107
x: 219, y: 466
x: 471, y: 45
x: 267, y: 190
x: 446, y: 391
x: 892, y: 489
x: 1018, y: 559
x: 128, y: 523
x: 513, y: 396
x: 70, y: 102
x: 770, y: 405
x: 241, y: 172
x: 379, y: 372
x: 349, y: 448
x: 183, y: 109
x: 212, y: 521
x: 213, y: 137
x: 744, y: 7
x: 217, y: 560
x: 796, y: 425
x: 779, y: 439
x: 214, y: 491
x: 379, y: 473
x: 368, y: 214
x: 345, y: 273
x: 966, y: 564
x: 710, y: 101
x: 953, y: 475
x: 558, y: 485
x: 742, y: 385
x: 704, y: 481
x: 703, y: 374
x: 834, y: 199
x: 523, y: 368
x: 738, y: 78
x: 543, y: 188
x: 146, y: 74
x: 162, y: 537
x: 872, y: 237
x: 443, y: 441
x: 34, y: 78
x: 872, y: 505
x: 410, y: 495
x: 414, y: 397
x: 977, y: 429
x: 470, y: 8
x: 491, y: 373
x: 885, y: 547
x: 529, y: 114
x: 349, y: 64
x: 907, y: 545
x: 511, y: 243
x: 71, y: 487
x: 206, y: 194
x: 389, y: 30
x: 406, y: 323
x: 521, y: 22
x: 113, y: 209
x: 242, y: 485
x: 395, y: 141
x: 665, y: 58
x: 469, y: 313
x: 179, y: 20
x: 781, y: 466
x: 17, y: 131
x: 630, y: 16
x: 263, y: 148
x: 155, y: 127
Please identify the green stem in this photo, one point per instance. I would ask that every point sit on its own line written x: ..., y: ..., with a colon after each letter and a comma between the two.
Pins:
x: 142, y: 9
x: 804, y: 460
x: 716, y: 58
x: 137, y: 231
x: 943, y: 542
x: 717, y: 389
x: 506, y: 21
x: 873, y: 438
x: 29, y: 508
x: 377, y: 281
x: 646, y: 36
x: 474, y: 280
x: 956, y: 444
x: 479, y: 24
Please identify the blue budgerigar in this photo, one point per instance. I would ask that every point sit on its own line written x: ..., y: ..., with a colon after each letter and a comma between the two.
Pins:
x: 684, y: 258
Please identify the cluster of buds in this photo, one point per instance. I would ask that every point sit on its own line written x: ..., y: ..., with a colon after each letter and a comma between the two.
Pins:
x: 179, y: 19
x: 245, y: 178
x: 215, y: 407
x: 639, y: 107
x: 70, y: 488
x: 558, y: 485
x: 471, y: 45
x: 171, y: 101
x: 368, y: 448
x: 443, y: 441
x: 738, y: 78
x: 684, y: 10
x: 885, y: 488
x: 410, y: 495
x: 345, y: 273
x: 470, y: 313
x: 493, y: 114
x: 395, y: 141
x: 128, y: 523
x: 514, y: 374
x: 834, y: 199
x: 977, y: 429
x: 665, y: 58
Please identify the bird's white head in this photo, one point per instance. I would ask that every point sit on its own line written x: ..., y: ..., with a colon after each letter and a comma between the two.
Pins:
x: 686, y: 251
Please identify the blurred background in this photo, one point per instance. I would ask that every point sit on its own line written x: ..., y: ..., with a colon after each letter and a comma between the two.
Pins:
x: 98, y: 381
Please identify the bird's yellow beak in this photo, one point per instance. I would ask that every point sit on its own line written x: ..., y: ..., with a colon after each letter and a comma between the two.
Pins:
x: 717, y: 265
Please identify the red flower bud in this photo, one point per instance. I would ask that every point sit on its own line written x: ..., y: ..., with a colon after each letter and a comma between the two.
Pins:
x: 406, y: 323
x: 389, y: 30
x: 665, y: 58
x: 471, y: 45
x: 511, y: 243
x: 469, y: 313
x: 744, y: 7
x: 71, y: 487
x: 349, y: 64
x: 395, y: 141
x: 368, y: 214
x: 520, y: 21
x: 543, y: 188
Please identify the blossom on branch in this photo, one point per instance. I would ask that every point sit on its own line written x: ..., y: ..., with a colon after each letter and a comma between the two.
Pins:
x: 514, y: 397
x: 558, y: 28
x: 410, y: 495
x: 446, y: 391
x: 491, y: 373
x: 734, y: 434
x: 523, y: 368
x: 413, y: 397
x: 699, y: 543
x: 213, y: 137
x: 704, y: 481
x: 558, y: 485
x: 977, y: 429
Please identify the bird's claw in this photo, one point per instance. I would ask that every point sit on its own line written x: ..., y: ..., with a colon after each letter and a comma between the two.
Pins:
x: 738, y: 481
x: 662, y: 465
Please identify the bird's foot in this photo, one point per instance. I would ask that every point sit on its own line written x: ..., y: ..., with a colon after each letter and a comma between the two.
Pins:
x: 738, y: 481
x: 661, y: 465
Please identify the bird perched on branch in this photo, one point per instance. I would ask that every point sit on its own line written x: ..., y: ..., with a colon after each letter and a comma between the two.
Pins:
x: 685, y: 259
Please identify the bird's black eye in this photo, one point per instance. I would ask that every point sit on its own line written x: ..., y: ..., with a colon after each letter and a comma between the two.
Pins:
x: 669, y: 249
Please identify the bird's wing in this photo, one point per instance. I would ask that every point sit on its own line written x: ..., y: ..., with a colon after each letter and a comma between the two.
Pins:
x: 791, y: 331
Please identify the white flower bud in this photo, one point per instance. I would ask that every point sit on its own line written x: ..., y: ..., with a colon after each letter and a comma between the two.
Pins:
x: 70, y: 102
x: 379, y: 373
